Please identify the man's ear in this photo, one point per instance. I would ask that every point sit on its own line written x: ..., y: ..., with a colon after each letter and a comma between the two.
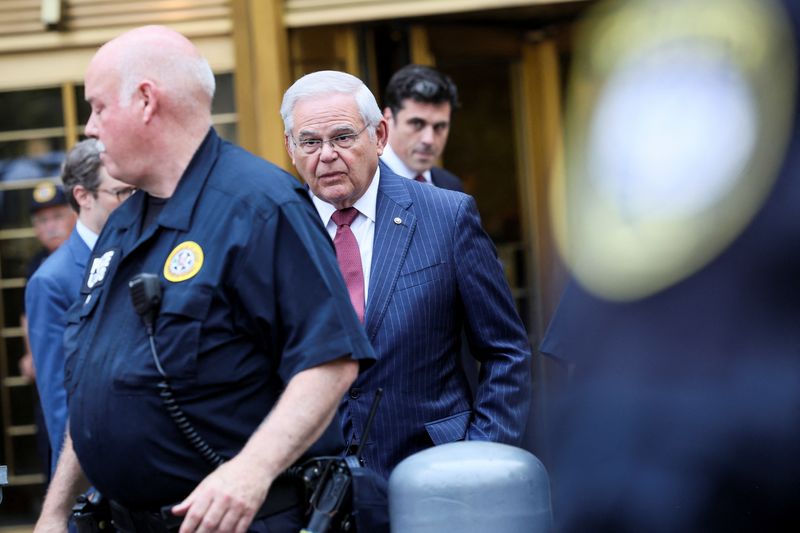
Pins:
x: 83, y: 196
x: 382, y: 135
x: 147, y: 93
x: 387, y: 114
x: 288, y: 146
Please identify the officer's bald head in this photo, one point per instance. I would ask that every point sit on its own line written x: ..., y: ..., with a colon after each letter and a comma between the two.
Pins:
x: 150, y: 91
x: 163, y: 56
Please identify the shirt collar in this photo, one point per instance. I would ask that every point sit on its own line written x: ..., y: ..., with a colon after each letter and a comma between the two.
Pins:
x: 394, y: 162
x: 178, y: 211
x: 366, y: 205
x: 87, y: 235
x: 177, y: 214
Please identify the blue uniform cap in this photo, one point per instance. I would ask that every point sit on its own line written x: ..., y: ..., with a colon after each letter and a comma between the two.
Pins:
x: 47, y: 194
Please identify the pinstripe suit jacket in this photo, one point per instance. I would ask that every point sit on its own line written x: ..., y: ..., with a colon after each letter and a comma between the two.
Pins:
x: 434, y: 273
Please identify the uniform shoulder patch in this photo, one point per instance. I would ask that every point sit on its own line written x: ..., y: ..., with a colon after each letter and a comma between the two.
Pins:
x: 184, y: 262
x: 99, y: 268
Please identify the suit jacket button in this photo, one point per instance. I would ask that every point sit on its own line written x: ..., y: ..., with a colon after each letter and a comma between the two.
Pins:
x: 355, y: 393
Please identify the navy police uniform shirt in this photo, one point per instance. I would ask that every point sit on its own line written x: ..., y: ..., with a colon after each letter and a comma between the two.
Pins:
x: 251, y: 296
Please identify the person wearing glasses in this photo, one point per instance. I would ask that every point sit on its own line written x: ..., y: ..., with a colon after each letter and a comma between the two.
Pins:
x: 55, y: 285
x: 419, y: 108
x: 419, y: 268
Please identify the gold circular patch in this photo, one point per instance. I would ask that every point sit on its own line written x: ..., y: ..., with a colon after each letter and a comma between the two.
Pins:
x: 183, y: 262
x: 44, y: 192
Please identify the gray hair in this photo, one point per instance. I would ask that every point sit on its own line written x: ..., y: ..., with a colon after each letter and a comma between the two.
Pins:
x: 327, y: 82
x: 81, y: 167
x: 183, y: 74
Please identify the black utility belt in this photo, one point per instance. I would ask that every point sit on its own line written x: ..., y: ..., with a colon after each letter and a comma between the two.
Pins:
x: 284, y: 494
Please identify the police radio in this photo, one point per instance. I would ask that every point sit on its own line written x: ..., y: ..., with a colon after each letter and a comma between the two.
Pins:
x: 146, y: 296
x: 329, y: 481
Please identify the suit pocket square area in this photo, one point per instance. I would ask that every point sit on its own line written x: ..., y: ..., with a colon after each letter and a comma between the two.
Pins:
x: 452, y: 428
x: 420, y: 276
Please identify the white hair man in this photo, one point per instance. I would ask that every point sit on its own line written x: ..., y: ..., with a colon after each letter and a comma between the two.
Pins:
x: 419, y: 268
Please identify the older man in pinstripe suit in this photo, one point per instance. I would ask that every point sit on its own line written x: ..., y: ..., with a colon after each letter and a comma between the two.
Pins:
x: 419, y: 268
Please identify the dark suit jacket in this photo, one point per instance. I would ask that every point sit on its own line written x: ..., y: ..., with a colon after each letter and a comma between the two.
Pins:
x: 446, y: 179
x: 435, y: 273
x: 49, y: 293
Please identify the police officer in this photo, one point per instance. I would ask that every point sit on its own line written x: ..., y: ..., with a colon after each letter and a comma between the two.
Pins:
x: 52, y: 220
x: 255, y: 339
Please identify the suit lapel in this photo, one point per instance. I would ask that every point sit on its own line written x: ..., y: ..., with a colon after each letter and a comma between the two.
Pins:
x: 394, y: 228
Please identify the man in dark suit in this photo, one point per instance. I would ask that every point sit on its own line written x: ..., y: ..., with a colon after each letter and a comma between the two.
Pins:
x: 419, y: 105
x: 419, y: 269
x: 55, y: 286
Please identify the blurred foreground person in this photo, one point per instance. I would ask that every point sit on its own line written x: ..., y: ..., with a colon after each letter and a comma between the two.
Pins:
x: 681, y: 229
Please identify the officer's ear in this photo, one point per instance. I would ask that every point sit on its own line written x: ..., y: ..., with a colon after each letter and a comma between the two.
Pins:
x: 147, y: 97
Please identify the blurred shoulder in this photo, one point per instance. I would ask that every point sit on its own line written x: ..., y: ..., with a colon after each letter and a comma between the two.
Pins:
x: 445, y: 179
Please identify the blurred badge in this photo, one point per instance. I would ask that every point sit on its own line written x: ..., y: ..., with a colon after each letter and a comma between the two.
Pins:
x: 44, y: 192
x: 678, y: 117
x: 183, y: 262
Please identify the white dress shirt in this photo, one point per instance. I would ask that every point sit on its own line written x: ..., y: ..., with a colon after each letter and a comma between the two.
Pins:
x: 87, y: 235
x: 394, y: 162
x: 363, y: 227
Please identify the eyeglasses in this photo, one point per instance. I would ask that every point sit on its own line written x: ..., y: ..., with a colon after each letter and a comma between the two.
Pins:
x: 343, y: 141
x: 121, y: 193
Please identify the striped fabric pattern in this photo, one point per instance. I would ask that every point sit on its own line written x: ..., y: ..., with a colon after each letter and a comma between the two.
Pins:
x: 435, y: 273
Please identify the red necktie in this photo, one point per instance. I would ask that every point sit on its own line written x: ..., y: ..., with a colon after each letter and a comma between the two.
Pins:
x: 349, y: 257
x: 420, y: 178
